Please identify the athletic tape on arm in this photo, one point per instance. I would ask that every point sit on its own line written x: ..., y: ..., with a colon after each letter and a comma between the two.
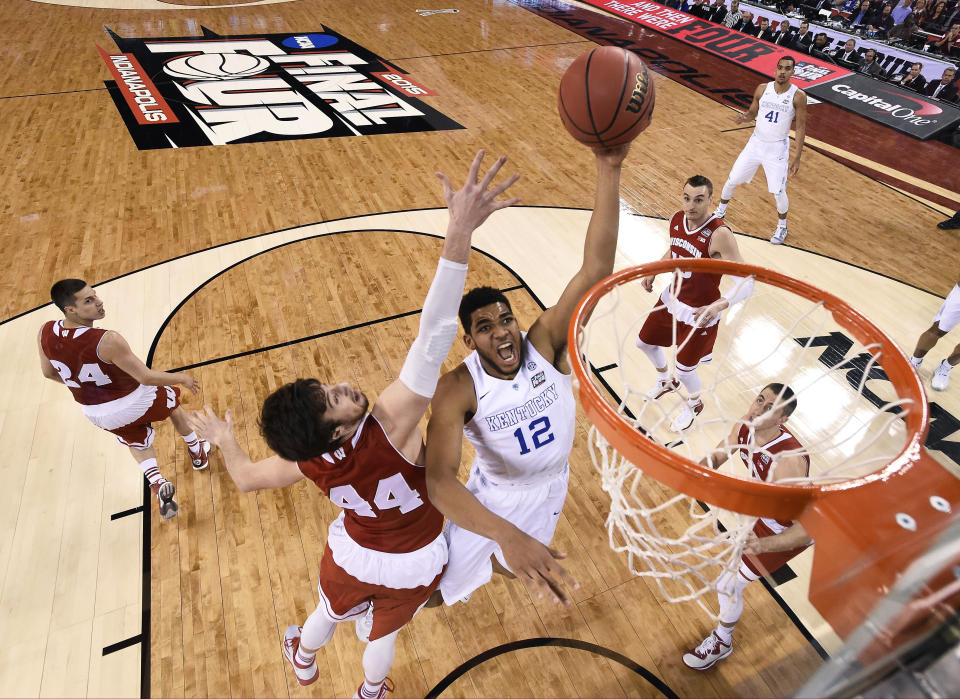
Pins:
x: 438, y: 329
x: 740, y: 291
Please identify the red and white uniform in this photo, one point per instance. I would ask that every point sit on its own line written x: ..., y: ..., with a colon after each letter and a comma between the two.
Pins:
x: 387, y: 546
x: 684, y: 295
x: 109, y: 397
x: 948, y: 317
x: 758, y: 459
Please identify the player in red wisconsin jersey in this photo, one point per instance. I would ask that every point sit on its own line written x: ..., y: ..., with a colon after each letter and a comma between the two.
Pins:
x: 116, y: 391
x: 692, y: 301
x: 771, y: 453
x: 386, y: 552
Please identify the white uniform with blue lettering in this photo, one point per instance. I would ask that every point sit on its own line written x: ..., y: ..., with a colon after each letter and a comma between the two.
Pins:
x: 523, y: 433
x: 770, y: 143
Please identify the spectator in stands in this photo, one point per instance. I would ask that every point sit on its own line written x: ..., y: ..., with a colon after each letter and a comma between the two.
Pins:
x: 700, y: 9
x: 920, y: 10
x: 818, y: 49
x: 905, y: 31
x: 734, y: 17
x: 900, y: 12
x: 747, y: 26
x: 718, y: 11
x: 879, y: 28
x: 949, y: 45
x: 764, y: 32
x: 933, y: 21
x: 786, y: 7
x: 869, y: 64
x: 953, y: 17
x: 785, y: 34
x: 847, y: 55
x: 862, y: 16
x: 850, y: 6
x: 804, y: 37
x: 943, y: 89
x: 911, y: 79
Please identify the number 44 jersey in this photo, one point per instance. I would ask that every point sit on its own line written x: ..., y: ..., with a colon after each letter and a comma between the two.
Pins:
x: 523, y: 428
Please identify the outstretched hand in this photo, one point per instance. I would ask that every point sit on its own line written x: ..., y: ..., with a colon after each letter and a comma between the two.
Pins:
x: 536, y: 566
x: 471, y: 205
x: 210, y: 427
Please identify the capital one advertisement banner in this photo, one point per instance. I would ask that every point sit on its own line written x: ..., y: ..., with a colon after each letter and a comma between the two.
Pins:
x: 891, y: 105
x: 901, y: 109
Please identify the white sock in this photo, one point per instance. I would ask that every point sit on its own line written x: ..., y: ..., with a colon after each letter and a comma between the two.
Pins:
x: 193, y: 443
x: 781, y: 223
x: 945, y: 366
x: 725, y: 633
x: 691, y: 381
x: 664, y: 375
x: 721, y: 209
x: 371, y: 690
x: 916, y: 361
x: 151, y: 472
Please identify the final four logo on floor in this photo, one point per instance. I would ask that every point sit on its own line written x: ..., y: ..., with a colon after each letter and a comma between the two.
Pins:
x: 219, y: 90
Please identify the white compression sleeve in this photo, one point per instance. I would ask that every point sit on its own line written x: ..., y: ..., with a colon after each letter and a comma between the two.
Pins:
x: 438, y: 329
x: 740, y: 291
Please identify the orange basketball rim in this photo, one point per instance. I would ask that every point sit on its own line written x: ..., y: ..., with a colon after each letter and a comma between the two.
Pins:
x: 866, y: 530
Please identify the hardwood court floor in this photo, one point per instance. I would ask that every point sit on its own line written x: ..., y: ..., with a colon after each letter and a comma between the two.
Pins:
x: 78, y: 199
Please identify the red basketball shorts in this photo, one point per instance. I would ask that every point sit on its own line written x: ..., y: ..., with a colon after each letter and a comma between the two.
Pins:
x: 346, y: 598
x: 767, y: 563
x: 138, y: 433
x: 695, y: 344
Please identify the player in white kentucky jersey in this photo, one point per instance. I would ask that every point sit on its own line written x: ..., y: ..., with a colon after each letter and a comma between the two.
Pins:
x: 947, y: 318
x: 774, y: 106
x: 513, y: 400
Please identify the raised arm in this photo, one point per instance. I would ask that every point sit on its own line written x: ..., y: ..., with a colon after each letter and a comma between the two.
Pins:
x: 549, y: 333
x: 248, y: 475
x: 529, y: 560
x: 800, y: 106
x: 114, y: 349
x: 402, y: 403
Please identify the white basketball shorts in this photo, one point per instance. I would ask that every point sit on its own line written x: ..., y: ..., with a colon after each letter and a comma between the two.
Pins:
x: 773, y: 155
x: 948, y: 317
x: 535, y: 510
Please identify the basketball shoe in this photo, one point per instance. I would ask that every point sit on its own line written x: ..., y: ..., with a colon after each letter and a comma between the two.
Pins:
x: 941, y: 376
x: 779, y: 235
x: 387, y: 686
x: 686, y: 416
x: 708, y: 653
x: 201, y: 460
x: 164, y: 492
x: 720, y: 211
x: 662, y: 388
x: 306, y: 673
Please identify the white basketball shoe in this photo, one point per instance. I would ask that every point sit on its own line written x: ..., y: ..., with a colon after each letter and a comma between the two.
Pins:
x: 663, y: 387
x: 686, y: 417
x: 779, y: 235
x: 941, y: 376
x: 708, y: 653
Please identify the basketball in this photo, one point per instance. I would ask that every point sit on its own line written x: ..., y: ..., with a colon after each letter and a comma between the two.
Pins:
x: 606, y: 97
x: 216, y: 66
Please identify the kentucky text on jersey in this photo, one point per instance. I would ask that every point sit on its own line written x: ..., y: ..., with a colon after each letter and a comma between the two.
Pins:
x: 522, y: 413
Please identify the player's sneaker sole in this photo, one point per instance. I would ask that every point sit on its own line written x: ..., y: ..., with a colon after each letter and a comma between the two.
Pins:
x: 168, y: 506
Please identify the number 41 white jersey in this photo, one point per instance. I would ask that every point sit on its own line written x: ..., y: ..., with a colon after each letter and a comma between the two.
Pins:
x: 523, y: 428
x: 775, y: 114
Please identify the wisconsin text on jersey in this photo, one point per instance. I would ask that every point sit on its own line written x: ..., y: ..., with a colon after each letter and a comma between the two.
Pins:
x: 522, y: 413
x: 682, y: 243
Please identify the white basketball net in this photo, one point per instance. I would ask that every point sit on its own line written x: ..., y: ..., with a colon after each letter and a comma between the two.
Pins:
x: 846, y: 418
